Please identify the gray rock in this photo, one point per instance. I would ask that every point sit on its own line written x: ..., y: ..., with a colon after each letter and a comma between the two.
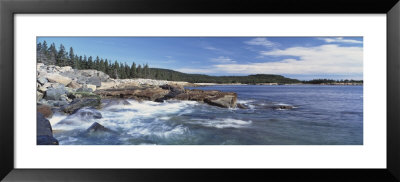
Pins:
x: 174, y: 91
x: 96, y: 127
x: 59, y: 103
x: 44, y: 132
x: 56, y: 78
x: 46, y: 140
x: 241, y: 106
x: 94, y: 81
x: 55, y: 93
x: 89, y: 114
x: 42, y: 80
x: 81, y: 102
x: 39, y: 96
x: 43, y: 125
x: 285, y: 107
x: 84, y: 89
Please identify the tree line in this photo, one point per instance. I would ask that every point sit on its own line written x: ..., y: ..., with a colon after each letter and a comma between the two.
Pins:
x: 331, y: 81
x: 60, y: 57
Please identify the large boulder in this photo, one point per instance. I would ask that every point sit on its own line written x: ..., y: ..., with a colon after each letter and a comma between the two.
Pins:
x: 84, y: 88
x: 96, y: 127
x: 39, y: 96
x: 44, y: 132
x: 148, y: 93
x: 44, y: 87
x: 94, y: 81
x: 66, y: 69
x: 174, y: 90
x: 81, y: 102
x: 227, y: 100
x: 55, y: 93
x: 107, y: 85
x: 42, y: 80
x: 212, y: 97
x: 45, y: 110
x: 56, y: 78
x: 74, y: 85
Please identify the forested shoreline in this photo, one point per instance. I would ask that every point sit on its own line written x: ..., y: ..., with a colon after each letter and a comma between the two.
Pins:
x: 51, y: 55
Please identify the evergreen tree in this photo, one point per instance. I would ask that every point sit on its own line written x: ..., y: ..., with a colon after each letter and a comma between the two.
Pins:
x: 90, y: 63
x: 80, y: 63
x: 71, y: 60
x: 122, y: 73
x: 127, y: 71
x: 102, y: 66
x: 139, y: 71
x: 146, y: 70
x: 76, y: 62
x: 116, y: 69
x: 97, y: 63
x: 52, y: 50
x: 85, y: 63
x: 106, y: 67
x: 60, y: 58
x: 45, y: 51
x: 133, y: 70
x: 39, y: 47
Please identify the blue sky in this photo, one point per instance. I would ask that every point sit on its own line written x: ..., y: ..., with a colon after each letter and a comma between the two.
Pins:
x: 295, y: 57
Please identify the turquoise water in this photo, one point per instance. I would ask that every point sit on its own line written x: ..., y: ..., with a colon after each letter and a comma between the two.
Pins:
x: 321, y: 115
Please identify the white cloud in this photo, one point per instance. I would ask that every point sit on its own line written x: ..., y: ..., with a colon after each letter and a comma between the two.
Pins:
x: 340, y: 40
x: 261, y: 42
x: 324, y: 59
x: 222, y: 59
x: 211, y: 48
x: 196, y: 71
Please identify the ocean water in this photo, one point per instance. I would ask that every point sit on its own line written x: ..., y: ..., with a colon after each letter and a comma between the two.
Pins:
x: 321, y: 115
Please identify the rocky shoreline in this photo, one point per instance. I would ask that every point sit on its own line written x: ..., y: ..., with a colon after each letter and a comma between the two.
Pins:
x: 68, y: 90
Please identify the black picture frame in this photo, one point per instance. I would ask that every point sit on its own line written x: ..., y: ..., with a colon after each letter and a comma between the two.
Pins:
x: 8, y: 8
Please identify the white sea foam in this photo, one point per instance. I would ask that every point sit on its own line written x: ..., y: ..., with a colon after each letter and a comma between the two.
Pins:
x: 244, y: 101
x: 57, y: 117
x: 222, y: 123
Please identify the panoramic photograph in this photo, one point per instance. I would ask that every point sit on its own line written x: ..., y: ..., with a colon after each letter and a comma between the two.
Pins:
x: 199, y: 90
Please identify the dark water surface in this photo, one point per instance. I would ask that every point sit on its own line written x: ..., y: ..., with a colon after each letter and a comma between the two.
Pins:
x: 322, y: 115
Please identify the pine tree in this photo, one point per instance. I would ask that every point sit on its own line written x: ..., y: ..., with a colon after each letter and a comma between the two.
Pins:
x: 146, y: 70
x: 45, y: 51
x: 90, y: 63
x: 76, y: 62
x: 106, y: 67
x: 39, y: 47
x: 139, y: 71
x: 71, y: 60
x: 116, y: 69
x: 80, y: 63
x: 127, y: 71
x: 133, y: 70
x: 39, y: 54
x: 85, y: 63
x: 97, y: 63
x: 102, y: 66
x: 122, y: 73
x: 60, y: 58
